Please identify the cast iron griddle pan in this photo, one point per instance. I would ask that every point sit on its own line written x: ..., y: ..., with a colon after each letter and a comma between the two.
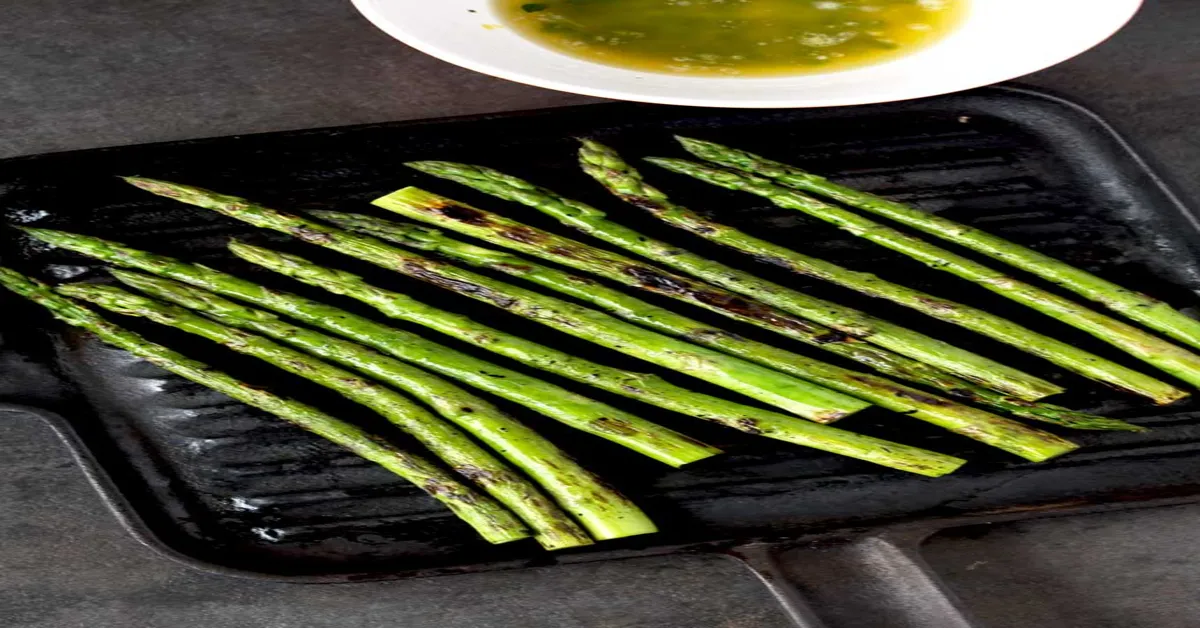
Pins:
x: 224, y: 487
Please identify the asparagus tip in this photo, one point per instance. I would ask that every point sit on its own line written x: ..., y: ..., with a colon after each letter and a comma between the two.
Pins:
x: 256, y: 254
x: 122, y: 273
x: 141, y: 182
x: 161, y: 188
x: 46, y: 235
x: 696, y: 147
x: 11, y: 277
x: 239, y: 247
x: 139, y: 280
x: 429, y: 166
x: 81, y: 288
x: 591, y: 144
x: 593, y: 153
x: 670, y: 163
x: 49, y: 236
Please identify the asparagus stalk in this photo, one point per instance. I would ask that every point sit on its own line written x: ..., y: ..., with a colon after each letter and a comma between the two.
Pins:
x: 577, y: 411
x: 1142, y: 308
x: 606, y: 166
x: 1145, y: 346
x: 488, y: 518
x: 798, y: 396
x: 846, y: 320
x: 438, y: 210
x: 878, y: 390
x: 552, y: 527
x: 605, y: 513
x: 745, y: 418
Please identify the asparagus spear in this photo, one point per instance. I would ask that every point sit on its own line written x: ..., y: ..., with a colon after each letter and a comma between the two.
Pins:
x: 605, y: 513
x: 577, y: 411
x: 607, y: 167
x: 798, y: 396
x: 1135, y: 305
x: 846, y: 320
x: 431, y: 208
x: 745, y: 418
x: 878, y: 390
x: 552, y: 527
x: 1149, y: 348
x: 488, y: 518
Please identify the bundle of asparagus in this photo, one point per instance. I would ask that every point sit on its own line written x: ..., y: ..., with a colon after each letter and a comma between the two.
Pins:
x: 878, y: 390
x: 421, y: 205
x: 789, y: 308
x: 604, y: 165
x: 1009, y: 435
x: 572, y: 409
x: 492, y: 521
x: 605, y: 513
x: 796, y: 395
x: 1147, y: 347
x: 1137, y: 306
x: 544, y: 493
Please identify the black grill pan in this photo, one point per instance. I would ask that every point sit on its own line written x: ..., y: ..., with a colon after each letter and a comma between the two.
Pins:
x: 225, y: 488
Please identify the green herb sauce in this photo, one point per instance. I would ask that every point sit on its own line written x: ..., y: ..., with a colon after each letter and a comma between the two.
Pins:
x: 734, y: 37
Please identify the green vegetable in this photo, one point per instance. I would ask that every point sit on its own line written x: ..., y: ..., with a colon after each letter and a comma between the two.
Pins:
x: 553, y: 529
x: 800, y: 397
x: 603, y: 511
x: 877, y: 390
x: 511, y: 234
x: 1135, y: 305
x: 577, y: 411
x: 846, y: 320
x: 1168, y: 357
x: 646, y: 387
x: 604, y: 165
x: 488, y: 518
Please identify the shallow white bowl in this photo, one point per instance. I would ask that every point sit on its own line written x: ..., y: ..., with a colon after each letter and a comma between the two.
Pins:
x: 999, y: 40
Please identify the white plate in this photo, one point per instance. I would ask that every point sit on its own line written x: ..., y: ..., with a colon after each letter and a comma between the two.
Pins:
x: 999, y: 40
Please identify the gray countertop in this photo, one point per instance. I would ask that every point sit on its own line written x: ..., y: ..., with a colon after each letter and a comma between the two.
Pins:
x: 108, y: 72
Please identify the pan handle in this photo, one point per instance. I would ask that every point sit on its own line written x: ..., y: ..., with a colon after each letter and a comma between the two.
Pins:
x: 878, y: 579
